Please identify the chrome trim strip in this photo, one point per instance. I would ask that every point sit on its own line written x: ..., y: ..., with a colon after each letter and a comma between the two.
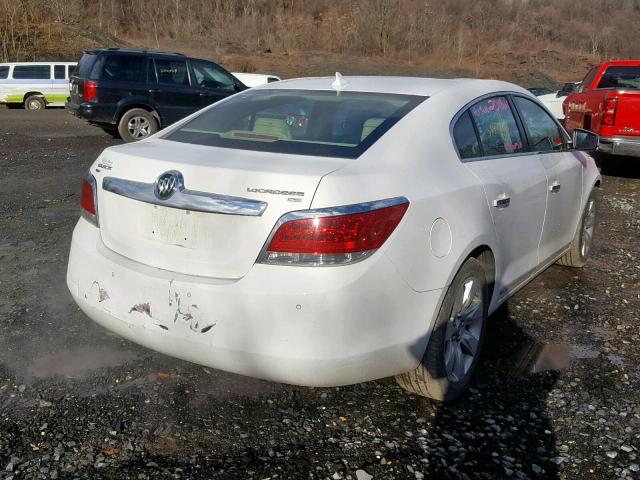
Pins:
x: 329, y: 212
x: 620, y: 139
x: 185, y: 199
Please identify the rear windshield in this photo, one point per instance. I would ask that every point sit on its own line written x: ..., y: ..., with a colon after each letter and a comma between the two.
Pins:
x: 85, y: 65
x: 4, y: 71
x: 621, y: 77
x: 324, y: 123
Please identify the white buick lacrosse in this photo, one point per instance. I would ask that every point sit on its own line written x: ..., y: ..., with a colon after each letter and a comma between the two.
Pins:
x: 327, y: 232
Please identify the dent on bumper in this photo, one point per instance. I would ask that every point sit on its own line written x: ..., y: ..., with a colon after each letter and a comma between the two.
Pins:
x: 620, y: 146
x: 306, y: 326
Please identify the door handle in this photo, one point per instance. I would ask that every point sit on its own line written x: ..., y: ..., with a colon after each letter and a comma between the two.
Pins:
x: 154, y: 90
x: 502, y: 201
x: 554, y: 187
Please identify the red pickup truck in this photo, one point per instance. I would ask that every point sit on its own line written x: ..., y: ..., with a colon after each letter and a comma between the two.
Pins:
x: 608, y: 103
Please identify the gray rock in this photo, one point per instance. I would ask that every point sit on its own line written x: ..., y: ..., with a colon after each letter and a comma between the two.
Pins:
x: 363, y: 475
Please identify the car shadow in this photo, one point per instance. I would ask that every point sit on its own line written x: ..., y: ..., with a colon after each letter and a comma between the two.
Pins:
x: 501, y: 428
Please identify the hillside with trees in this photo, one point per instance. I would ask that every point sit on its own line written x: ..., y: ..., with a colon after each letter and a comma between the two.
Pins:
x: 529, y: 41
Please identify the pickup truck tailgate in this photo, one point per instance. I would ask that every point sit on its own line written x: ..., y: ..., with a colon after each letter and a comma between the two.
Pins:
x: 627, y: 113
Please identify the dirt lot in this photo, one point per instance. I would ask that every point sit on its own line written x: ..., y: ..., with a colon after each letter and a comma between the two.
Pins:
x: 559, y: 396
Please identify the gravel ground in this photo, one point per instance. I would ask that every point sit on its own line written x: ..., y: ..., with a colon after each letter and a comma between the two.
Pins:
x: 558, y: 396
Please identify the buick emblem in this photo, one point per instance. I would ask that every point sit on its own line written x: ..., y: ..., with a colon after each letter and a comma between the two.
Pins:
x: 167, y: 184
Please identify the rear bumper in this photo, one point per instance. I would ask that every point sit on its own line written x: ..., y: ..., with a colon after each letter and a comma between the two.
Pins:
x: 94, y: 113
x: 300, y: 325
x: 628, y: 146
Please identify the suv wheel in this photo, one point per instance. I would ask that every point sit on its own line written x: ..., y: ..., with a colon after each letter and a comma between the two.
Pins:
x: 34, y: 102
x: 137, y: 124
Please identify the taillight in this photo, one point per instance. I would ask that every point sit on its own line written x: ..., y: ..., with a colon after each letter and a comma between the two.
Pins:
x: 90, y: 91
x: 609, y: 108
x: 88, y: 199
x: 333, y: 236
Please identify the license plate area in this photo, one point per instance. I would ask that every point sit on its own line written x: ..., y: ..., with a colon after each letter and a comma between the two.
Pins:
x: 172, y: 226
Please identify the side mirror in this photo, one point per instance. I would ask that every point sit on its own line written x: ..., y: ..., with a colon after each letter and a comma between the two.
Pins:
x: 584, y: 140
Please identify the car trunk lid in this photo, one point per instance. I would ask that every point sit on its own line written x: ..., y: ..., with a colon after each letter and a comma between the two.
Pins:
x: 179, y: 234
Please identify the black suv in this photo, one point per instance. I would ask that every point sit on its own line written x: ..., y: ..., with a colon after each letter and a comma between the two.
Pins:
x: 134, y: 93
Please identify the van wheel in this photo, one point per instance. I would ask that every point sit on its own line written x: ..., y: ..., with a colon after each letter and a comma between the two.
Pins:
x: 34, y: 102
x: 449, y: 363
x: 578, y: 253
x: 137, y: 124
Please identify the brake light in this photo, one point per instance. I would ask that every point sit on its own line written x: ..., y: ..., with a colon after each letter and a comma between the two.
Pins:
x: 90, y: 91
x: 609, y: 108
x: 88, y: 199
x: 333, y: 236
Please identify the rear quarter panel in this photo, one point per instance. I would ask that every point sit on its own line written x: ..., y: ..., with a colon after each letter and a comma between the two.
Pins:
x: 583, y: 110
x: 416, y: 159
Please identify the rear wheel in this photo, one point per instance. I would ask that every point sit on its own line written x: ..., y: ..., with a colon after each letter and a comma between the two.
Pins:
x: 578, y: 254
x: 452, y: 354
x: 34, y: 102
x: 137, y: 124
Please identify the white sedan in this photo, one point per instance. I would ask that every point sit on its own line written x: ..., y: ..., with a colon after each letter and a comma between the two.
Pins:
x: 554, y: 100
x: 327, y: 232
x: 255, y: 79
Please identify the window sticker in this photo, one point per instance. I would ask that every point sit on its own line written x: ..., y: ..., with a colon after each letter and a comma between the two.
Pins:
x: 497, y: 127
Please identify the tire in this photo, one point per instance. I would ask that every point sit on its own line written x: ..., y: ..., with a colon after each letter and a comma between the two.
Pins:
x: 578, y: 253
x: 438, y: 377
x: 137, y: 124
x: 34, y: 102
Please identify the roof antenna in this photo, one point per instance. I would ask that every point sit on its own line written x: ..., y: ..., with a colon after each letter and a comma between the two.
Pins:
x: 339, y: 83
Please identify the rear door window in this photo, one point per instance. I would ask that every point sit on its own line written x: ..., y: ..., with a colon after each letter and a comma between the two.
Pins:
x: 543, y: 132
x: 125, y: 68
x: 172, y: 72
x: 497, y: 127
x: 465, y: 137
x: 58, y: 72
x: 621, y: 77
x: 4, y: 72
x: 32, y: 72
x: 209, y: 75
x: 588, y: 80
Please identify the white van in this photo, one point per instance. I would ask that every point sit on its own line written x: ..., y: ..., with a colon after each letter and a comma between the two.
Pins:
x: 35, y: 85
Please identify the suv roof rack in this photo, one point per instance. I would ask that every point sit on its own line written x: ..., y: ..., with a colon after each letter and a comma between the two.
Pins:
x: 134, y: 50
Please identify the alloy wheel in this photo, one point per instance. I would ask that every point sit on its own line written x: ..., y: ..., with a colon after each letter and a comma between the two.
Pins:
x: 463, y: 330
x: 587, y: 228
x: 138, y: 127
